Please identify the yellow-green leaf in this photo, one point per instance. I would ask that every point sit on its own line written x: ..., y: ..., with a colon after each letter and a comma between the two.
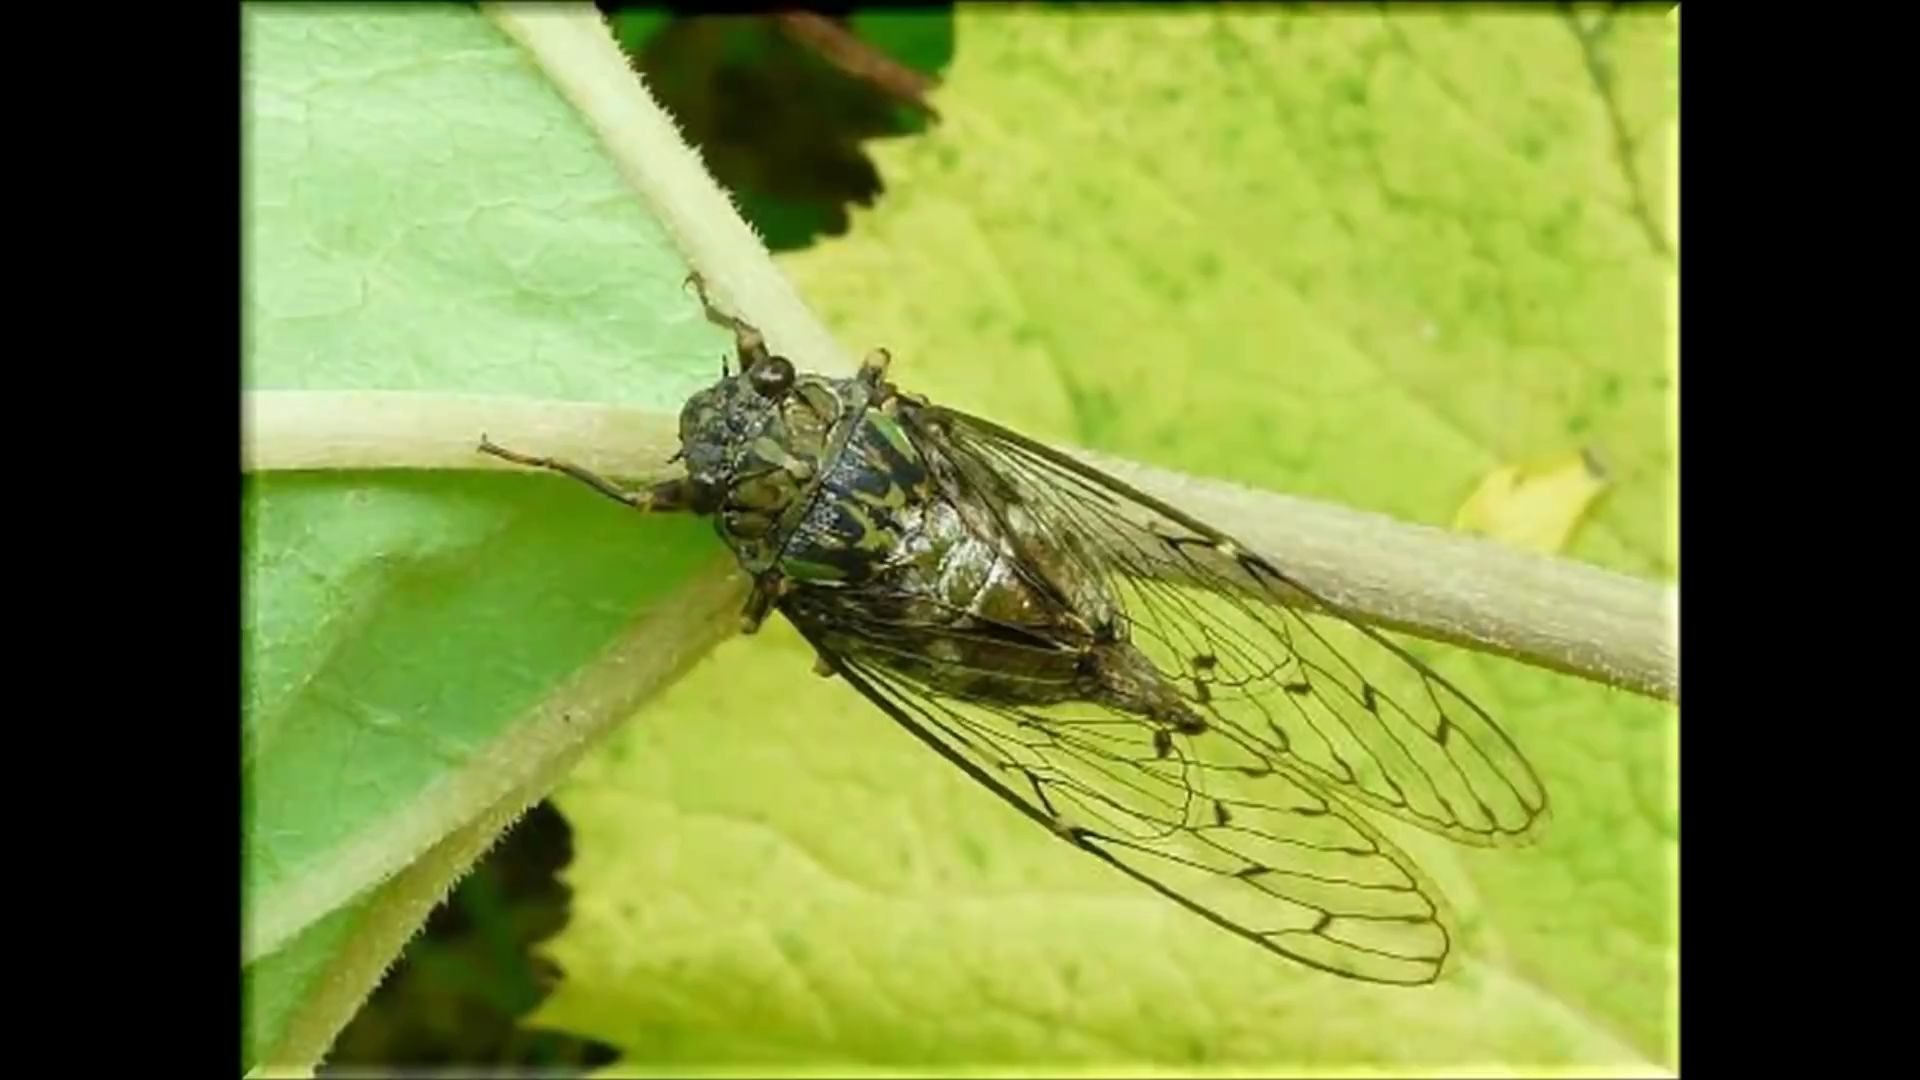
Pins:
x: 1356, y: 256
x: 1536, y: 506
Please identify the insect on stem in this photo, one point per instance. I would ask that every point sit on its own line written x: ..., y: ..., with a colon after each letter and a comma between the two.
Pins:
x: 1137, y: 660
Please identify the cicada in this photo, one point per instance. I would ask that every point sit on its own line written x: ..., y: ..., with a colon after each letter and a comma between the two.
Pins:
x: 1150, y: 690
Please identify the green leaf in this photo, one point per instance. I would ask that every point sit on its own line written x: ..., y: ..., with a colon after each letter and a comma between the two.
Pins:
x: 1362, y: 258
x: 425, y: 213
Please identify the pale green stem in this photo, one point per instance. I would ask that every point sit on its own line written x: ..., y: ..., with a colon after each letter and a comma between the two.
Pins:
x: 1428, y: 582
x: 573, y: 46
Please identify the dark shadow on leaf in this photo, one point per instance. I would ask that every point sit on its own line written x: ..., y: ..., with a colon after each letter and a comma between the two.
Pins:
x: 459, y: 991
x: 779, y: 125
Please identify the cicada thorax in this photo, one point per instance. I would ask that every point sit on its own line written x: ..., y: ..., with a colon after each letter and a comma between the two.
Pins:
x: 842, y: 501
x: 897, y: 560
x: 773, y: 453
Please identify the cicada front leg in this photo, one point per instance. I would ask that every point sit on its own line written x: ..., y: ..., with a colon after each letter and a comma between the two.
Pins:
x: 751, y: 344
x: 669, y: 496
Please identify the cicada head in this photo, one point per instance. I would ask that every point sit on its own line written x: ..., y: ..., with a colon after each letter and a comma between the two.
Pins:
x: 752, y: 442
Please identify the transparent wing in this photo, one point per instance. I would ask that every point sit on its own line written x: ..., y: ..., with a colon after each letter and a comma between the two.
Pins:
x: 1298, y: 688
x: 1217, y: 826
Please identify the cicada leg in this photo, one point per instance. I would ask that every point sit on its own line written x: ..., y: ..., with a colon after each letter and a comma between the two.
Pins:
x: 669, y: 496
x: 873, y: 373
x: 766, y: 590
x: 751, y: 344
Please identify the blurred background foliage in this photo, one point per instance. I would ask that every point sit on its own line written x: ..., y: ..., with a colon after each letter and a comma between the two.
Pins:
x: 783, y: 127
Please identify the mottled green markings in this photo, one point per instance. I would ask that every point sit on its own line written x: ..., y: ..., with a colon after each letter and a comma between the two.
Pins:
x: 773, y: 453
x: 803, y: 570
x: 889, y: 429
x: 874, y: 537
x: 893, y: 498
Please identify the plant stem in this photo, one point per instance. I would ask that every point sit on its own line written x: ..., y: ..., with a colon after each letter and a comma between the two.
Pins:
x: 574, y: 49
x: 843, y: 49
x: 1420, y: 580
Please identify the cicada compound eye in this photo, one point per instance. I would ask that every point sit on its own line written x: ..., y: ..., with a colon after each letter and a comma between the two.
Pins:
x: 772, y: 377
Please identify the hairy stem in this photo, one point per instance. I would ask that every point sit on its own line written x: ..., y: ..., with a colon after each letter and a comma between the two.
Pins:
x: 573, y: 46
